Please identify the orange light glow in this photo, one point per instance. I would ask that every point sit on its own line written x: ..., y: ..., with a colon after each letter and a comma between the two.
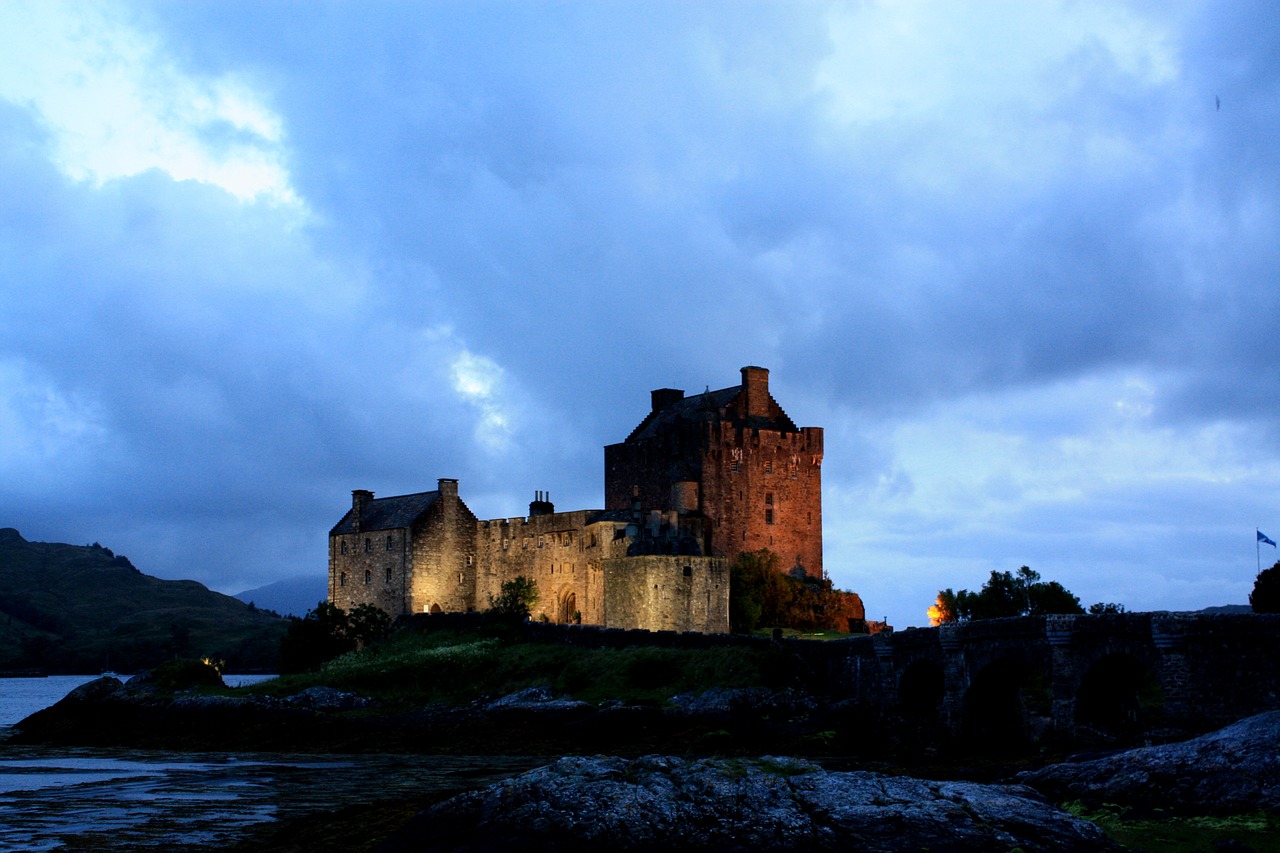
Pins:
x: 938, y: 613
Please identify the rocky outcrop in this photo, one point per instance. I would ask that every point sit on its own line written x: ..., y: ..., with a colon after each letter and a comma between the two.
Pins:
x: 538, y: 699
x: 755, y: 701
x: 329, y: 699
x: 1233, y: 770
x: 675, y: 804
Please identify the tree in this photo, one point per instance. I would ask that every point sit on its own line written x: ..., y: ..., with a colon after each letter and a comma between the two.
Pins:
x: 945, y: 608
x: 1099, y: 608
x: 320, y: 636
x: 367, y: 623
x: 1265, y: 597
x: 516, y: 598
x: 1006, y: 594
x: 1051, y: 597
x: 761, y: 595
x: 751, y: 590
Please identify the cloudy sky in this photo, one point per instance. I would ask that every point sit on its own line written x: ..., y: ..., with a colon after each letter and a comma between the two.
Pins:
x: 1019, y: 259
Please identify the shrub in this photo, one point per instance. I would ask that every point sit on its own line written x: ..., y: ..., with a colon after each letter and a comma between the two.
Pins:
x: 184, y: 674
x: 516, y: 598
x: 1265, y: 597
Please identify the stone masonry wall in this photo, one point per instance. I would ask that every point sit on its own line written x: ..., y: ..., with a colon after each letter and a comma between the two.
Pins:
x: 667, y: 593
x: 559, y: 552
x: 444, y: 556
x: 369, y: 568
x: 763, y: 489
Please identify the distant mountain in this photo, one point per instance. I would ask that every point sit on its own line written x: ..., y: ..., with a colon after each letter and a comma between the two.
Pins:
x: 289, y: 597
x: 1229, y: 608
x: 83, y: 609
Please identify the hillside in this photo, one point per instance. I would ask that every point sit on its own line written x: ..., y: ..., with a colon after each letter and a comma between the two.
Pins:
x: 74, y: 608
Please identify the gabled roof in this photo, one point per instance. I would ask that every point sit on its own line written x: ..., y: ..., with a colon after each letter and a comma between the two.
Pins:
x: 710, y: 406
x: 388, y: 513
x: 707, y: 406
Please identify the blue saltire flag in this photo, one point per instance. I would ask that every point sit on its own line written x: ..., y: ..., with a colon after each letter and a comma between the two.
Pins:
x: 1262, y: 537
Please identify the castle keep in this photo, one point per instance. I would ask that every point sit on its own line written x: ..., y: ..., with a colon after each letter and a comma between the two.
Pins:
x: 699, y: 481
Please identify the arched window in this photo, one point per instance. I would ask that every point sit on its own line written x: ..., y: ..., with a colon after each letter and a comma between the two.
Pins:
x: 388, y: 574
x: 368, y: 577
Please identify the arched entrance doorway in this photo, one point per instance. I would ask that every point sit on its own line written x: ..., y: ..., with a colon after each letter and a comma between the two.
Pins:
x: 567, y: 610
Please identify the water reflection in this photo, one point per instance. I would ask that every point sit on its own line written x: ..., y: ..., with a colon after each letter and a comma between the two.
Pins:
x: 129, y: 800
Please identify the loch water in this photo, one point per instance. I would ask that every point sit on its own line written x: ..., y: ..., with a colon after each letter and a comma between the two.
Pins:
x: 59, y: 798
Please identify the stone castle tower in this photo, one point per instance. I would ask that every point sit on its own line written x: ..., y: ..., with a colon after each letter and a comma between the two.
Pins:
x: 733, y: 457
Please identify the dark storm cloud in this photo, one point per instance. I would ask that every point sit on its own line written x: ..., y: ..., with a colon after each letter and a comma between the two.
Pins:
x: 518, y: 218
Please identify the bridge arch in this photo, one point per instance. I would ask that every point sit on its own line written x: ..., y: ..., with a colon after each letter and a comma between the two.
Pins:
x: 921, y: 690
x: 1008, y: 704
x: 1119, y: 697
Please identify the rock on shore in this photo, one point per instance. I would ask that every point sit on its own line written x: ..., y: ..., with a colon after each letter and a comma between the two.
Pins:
x: 676, y: 804
x: 1230, y: 771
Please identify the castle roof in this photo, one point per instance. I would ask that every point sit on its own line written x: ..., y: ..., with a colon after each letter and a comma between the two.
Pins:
x: 709, y: 407
x: 387, y: 513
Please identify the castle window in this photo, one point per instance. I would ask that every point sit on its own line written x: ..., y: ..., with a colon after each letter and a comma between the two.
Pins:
x: 768, y: 467
x: 469, y: 559
x: 342, y: 579
x: 388, y: 543
x: 768, y: 498
x: 768, y: 516
x: 368, y: 545
x: 388, y: 574
x: 368, y: 577
x: 688, y: 571
x: 344, y: 546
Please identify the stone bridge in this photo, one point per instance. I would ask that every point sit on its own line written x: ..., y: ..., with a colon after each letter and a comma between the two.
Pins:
x: 1080, y: 678
x: 998, y: 682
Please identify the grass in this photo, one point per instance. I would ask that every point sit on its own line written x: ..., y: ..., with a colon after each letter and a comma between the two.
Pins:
x: 459, y: 666
x: 1157, y: 832
x: 797, y: 634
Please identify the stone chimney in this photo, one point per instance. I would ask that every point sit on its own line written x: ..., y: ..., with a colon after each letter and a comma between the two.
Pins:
x: 447, y: 488
x: 755, y: 391
x: 360, y: 498
x: 541, y: 504
x: 664, y: 397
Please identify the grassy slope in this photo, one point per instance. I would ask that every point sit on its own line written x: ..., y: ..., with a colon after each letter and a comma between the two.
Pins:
x: 80, y: 608
x: 456, y: 667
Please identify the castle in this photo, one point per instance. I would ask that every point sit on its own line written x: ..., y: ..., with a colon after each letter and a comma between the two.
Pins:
x: 699, y: 481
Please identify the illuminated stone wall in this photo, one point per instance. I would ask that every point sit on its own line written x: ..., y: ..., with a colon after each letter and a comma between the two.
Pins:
x: 667, y: 593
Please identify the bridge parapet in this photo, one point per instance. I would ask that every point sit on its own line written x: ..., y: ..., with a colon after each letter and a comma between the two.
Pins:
x: 1078, y: 675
